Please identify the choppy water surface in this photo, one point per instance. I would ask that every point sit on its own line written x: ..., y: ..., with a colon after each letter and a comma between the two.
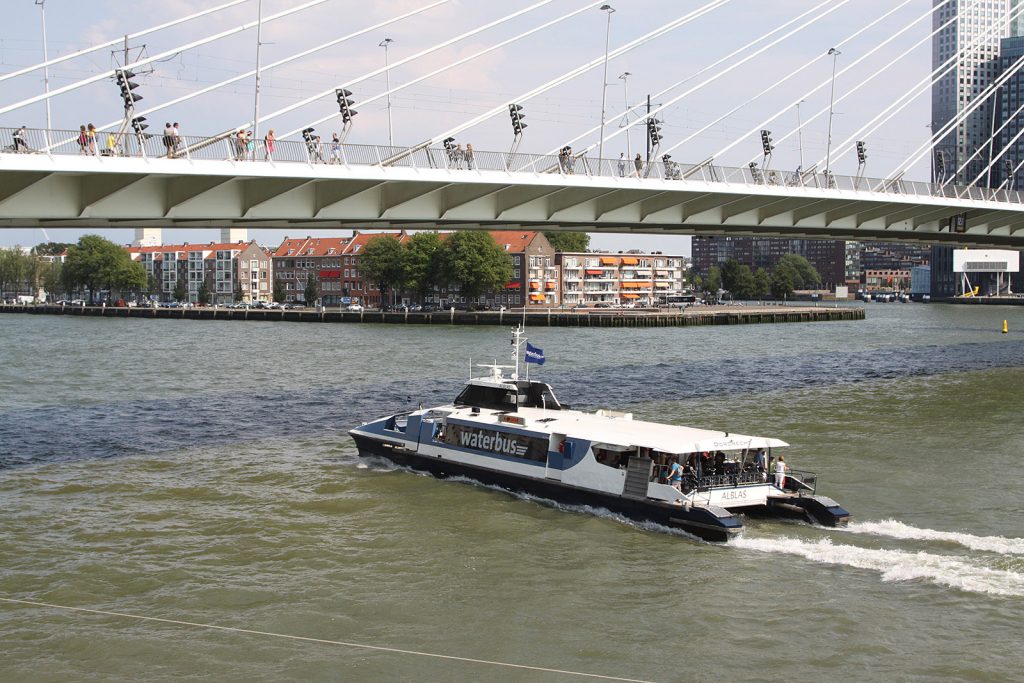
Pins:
x: 200, y: 472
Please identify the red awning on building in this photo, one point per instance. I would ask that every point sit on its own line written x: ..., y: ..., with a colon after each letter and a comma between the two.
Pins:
x: 595, y: 272
x: 513, y: 285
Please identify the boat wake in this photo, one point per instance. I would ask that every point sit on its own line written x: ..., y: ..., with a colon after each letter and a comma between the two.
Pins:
x: 896, y: 565
x: 893, y: 529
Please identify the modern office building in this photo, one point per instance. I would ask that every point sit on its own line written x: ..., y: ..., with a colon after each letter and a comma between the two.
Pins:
x: 827, y: 256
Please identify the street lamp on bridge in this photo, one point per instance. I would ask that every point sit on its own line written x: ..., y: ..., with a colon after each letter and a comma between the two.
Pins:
x: 604, y: 89
x: 831, y: 103
x: 625, y: 116
x: 387, y: 83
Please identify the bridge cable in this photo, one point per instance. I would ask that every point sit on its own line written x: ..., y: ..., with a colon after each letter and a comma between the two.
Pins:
x: 936, y: 138
x: 163, y: 55
x: 1006, y: 148
x: 280, y: 62
x: 451, y: 65
x: 643, y: 103
x: 906, y: 98
x: 788, y: 76
x: 568, y: 76
x: 918, y: 89
x: 820, y: 86
x: 119, y: 41
x: 422, y: 53
x: 835, y: 5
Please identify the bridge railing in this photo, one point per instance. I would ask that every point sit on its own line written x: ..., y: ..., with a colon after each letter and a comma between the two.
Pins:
x: 230, y: 147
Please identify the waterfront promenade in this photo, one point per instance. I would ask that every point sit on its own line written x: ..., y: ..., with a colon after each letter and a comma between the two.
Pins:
x: 690, y: 317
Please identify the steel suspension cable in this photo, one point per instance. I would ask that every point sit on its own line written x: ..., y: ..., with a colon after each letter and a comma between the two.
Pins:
x: 926, y: 148
x: 919, y: 88
x: 787, y: 77
x: 991, y: 139
x: 280, y: 62
x: 162, y: 55
x: 457, y: 63
x: 642, y: 103
x: 119, y: 41
x: 823, y: 84
x: 422, y: 53
x: 568, y: 76
x: 1006, y: 148
x: 835, y: 5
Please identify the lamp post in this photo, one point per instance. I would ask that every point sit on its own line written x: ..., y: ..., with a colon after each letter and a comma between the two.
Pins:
x: 831, y: 102
x: 46, y: 70
x: 625, y: 115
x: 387, y: 77
x: 604, y: 89
x: 256, y: 97
x: 800, y: 133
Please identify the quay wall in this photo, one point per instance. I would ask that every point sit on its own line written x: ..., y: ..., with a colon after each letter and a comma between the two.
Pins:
x: 731, y: 315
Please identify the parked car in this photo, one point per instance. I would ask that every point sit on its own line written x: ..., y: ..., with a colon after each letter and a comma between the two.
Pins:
x: 355, y: 308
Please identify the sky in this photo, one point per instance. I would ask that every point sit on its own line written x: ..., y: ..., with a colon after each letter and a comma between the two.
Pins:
x: 718, y: 109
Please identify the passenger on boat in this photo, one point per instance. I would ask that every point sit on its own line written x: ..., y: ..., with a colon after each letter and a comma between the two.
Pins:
x: 762, y: 464
x: 780, y: 472
x: 675, y: 475
x: 719, y: 462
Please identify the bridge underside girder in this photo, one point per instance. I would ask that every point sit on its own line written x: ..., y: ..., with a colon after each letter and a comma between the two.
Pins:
x: 71, y: 192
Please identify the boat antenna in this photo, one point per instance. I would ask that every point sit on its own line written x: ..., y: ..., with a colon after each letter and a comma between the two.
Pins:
x: 517, y: 344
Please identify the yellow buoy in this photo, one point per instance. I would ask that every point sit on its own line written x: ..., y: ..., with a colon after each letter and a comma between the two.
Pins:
x: 1006, y: 328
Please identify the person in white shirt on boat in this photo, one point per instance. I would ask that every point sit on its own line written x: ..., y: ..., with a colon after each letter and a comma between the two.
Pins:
x: 780, y: 472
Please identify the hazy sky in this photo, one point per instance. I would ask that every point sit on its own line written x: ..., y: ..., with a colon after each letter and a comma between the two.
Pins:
x: 554, y: 118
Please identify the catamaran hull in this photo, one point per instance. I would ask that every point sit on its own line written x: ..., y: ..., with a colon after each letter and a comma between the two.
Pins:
x: 698, y: 521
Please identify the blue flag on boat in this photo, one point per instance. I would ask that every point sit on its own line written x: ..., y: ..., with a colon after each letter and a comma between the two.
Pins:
x: 534, y: 355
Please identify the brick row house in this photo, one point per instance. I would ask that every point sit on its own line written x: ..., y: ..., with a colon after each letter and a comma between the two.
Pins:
x: 333, y: 262
x: 222, y: 266
x: 593, y: 278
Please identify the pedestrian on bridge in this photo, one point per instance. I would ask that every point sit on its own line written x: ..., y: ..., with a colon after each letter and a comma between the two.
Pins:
x: 268, y: 145
x: 622, y: 164
x: 21, y: 140
x: 638, y: 163
x: 83, y: 140
x: 470, y: 158
x: 335, y: 149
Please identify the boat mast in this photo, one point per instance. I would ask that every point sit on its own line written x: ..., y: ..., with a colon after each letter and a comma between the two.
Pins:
x: 517, y: 343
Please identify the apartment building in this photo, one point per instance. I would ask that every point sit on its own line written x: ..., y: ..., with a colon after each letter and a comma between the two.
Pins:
x: 607, y: 279
x: 227, y: 268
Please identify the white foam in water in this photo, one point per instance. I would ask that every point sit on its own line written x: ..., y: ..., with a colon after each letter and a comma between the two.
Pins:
x: 896, y: 565
x: 894, y: 529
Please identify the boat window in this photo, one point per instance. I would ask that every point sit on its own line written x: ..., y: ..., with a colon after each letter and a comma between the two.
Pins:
x: 538, y: 395
x: 396, y: 423
x: 493, y: 398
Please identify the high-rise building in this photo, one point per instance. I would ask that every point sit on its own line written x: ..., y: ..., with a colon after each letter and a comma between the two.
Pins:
x: 971, y: 44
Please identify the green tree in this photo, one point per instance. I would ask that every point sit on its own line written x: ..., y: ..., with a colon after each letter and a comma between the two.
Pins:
x: 568, y: 241
x: 762, y: 283
x: 97, y: 263
x: 237, y: 294
x: 203, y: 294
x: 152, y: 285
x: 381, y: 262
x: 53, y: 279
x: 279, y: 294
x: 744, y: 286
x: 312, y: 291
x: 730, y: 273
x: 711, y: 283
x: 421, y: 263
x: 803, y: 274
x: 50, y: 248
x: 784, y: 281
x: 180, y: 292
x: 475, y: 263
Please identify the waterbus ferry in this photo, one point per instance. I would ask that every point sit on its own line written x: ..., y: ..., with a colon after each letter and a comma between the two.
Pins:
x: 514, y: 433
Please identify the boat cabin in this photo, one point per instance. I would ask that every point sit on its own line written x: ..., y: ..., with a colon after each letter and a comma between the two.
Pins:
x: 507, y: 395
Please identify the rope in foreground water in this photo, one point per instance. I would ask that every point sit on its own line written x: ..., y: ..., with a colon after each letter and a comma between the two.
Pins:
x: 378, y: 648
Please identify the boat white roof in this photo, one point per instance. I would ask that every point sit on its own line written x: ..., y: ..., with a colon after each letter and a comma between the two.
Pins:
x: 666, y: 438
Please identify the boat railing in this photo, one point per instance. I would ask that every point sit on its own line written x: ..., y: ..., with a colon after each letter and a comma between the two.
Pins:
x: 808, y: 481
x: 719, y: 481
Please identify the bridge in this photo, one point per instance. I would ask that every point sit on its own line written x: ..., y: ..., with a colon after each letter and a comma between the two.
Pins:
x: 125, y: 177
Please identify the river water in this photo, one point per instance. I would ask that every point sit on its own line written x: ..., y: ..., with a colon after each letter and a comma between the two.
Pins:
x: 200, y: 472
